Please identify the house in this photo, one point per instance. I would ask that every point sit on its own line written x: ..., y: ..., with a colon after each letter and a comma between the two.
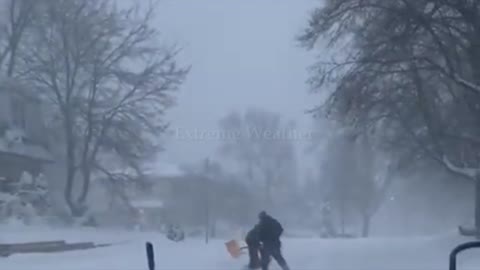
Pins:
x: 23, y: 141
x: 161, y: 178
x: 150, y: 195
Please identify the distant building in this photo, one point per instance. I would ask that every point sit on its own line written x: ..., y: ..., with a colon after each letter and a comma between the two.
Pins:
x: 149, y: 194
x: 23, y: 141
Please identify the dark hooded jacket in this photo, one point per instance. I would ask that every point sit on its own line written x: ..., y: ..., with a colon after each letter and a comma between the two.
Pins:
x: 270, y: 230
x: 253, y: 236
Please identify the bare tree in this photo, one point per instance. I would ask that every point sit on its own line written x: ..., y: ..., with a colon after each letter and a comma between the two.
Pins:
x: 355, y: 178
x: 337, y: 177
x: 373, y: 180
x: 18, y: 15
x: 109, y: 81
x: 262, y: 144
x: 411, y: 69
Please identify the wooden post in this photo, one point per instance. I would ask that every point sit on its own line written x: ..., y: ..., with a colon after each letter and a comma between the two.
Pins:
x: 150, y: 256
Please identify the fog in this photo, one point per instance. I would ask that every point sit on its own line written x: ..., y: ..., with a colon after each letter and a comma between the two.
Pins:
x: 236, y: 64
x: 353, y: 125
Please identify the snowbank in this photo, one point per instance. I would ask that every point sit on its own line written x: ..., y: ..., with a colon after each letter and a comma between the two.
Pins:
x: 428, y: 253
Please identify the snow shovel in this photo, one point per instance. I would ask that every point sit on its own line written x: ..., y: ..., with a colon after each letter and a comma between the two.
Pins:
x: 234, y: 248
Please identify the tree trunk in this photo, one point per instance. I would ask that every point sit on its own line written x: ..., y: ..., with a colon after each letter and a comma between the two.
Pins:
x: 342, y: 216
x: 86, y: 172
x: 213, y: 228
x: 366, y: 225
x: 111, y: 201
x: 11, y: 62
x: 70, y: 184
x: 207, y: 200
x: 268, y: 195
x: 75, y: 209
x: 269, y: 182
x: 474, y: 52
x: 250, y: 171
x: 477, y: 207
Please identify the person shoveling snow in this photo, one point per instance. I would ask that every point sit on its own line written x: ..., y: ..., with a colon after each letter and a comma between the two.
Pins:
x: 270, y: 231
x: 253, y: 243
x: 263, y: 239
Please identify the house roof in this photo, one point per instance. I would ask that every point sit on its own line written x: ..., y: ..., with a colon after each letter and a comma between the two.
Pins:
x: 164, y: 169
x: 147, y: 203
x: 24, y: 150
x: 17, y: 87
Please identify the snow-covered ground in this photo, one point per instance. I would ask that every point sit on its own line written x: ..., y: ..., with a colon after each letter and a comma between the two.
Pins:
x: 429, y: 253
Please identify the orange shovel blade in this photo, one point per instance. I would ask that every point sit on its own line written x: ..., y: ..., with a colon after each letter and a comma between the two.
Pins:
x: 233, y: 248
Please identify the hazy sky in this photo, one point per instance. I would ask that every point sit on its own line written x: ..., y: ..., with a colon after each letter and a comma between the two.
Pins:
x: 243, y: 53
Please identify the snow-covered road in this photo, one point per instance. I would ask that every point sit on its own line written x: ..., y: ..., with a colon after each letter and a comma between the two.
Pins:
x: 302, y: 254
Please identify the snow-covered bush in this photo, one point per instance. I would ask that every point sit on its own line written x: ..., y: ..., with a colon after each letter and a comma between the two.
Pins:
x: 14, y: 136
x: 175, y: 233
x: 27, y: 200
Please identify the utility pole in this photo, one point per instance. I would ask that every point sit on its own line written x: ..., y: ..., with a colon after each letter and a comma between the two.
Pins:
x: 206, y: 187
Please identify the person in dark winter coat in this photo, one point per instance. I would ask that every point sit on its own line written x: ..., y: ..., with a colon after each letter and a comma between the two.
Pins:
x: 269, y: 232
x: 253, y: 242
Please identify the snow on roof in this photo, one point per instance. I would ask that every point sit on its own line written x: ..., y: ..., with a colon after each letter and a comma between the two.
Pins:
x: 147, y: 203
x: 125, y: 171
x: 31, y: 151
x: 164, y: 169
